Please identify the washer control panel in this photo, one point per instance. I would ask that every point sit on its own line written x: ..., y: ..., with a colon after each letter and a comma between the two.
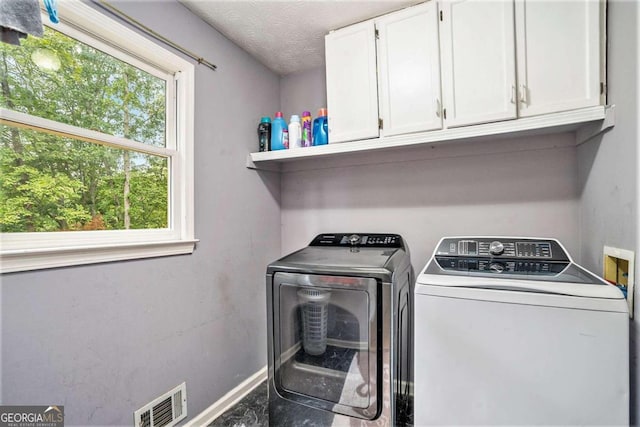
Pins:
x: 503, y: 247
x: 375, y: 240
x: 502, y: 255
x: 500, y: 266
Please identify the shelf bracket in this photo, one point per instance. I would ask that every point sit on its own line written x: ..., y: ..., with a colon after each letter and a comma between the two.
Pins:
x: 272, y: 167
x: 588, y: 131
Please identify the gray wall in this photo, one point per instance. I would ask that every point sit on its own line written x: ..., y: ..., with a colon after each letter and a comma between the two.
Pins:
x: 512, y: 187
x: 105, y: 339
x: 303, y: 91
x: 608, y: 166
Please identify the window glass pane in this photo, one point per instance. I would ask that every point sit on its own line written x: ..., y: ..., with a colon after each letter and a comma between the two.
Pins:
x: 52, y: 183
x: 62, y: 79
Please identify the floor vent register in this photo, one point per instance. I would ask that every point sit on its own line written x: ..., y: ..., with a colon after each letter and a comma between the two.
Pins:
x: 164, y: 411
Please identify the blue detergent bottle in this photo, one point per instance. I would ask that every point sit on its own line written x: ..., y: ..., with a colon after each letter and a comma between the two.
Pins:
x: 278, y: 128
x: 321, y: 128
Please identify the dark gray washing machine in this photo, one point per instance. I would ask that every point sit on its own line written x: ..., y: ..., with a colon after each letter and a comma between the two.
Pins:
x: 340, y: 332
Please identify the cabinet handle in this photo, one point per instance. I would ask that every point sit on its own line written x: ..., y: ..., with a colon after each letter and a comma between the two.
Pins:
x: 523, y: 94
x: 438, y: 107
x: 513, y: 94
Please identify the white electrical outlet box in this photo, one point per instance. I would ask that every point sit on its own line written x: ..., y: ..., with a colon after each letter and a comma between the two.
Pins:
x: 618, y: 267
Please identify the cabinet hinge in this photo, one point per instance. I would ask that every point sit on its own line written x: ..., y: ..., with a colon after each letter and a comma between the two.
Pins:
x: 380, y: 123
x: 377, y: 34
x: 444, y: 113
x: 603, y: 88
x: 441, y: 15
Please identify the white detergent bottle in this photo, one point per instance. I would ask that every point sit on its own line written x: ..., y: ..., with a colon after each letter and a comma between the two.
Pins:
x: 295, y: 132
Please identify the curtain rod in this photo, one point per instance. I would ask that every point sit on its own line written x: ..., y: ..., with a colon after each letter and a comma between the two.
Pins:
x: 148, y: 31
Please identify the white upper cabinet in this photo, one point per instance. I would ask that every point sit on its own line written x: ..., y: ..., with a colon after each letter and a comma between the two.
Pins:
x: 444, y: 64
x: 478, y: 61
x: 409, y: 64
x: 558, y: 55
x: 352, y: 92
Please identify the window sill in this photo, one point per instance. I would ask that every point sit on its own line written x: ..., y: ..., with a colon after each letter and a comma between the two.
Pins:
x: 37, y: 259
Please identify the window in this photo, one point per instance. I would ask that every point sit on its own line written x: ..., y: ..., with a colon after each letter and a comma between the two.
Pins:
x: 96, y: 146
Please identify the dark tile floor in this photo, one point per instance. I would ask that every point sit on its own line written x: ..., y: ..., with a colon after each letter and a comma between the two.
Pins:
x: 251, y: 411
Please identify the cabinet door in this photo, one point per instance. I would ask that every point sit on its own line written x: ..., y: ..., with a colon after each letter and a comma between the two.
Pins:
x: 352, y: 92
x: 478, y: 61
x: 558, y: 45
x: 409, y: 63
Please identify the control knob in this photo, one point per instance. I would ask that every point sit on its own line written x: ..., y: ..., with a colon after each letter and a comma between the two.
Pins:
x: 496, y: 248
x: 496, y: 267
x: 354, y: 239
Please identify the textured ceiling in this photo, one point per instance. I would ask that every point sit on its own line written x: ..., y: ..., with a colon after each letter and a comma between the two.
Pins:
x: 287, y: 36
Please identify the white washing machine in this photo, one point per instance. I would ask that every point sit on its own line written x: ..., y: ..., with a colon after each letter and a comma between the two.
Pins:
x: 512, y: 331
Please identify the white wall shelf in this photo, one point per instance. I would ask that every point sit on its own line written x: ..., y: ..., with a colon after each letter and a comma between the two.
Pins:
x: 586, y: 122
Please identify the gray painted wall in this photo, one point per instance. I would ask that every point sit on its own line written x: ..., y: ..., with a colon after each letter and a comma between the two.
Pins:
x: 513, y: 187
x: 608, y: 166
x: 311, y: 85
x: 105, y: 339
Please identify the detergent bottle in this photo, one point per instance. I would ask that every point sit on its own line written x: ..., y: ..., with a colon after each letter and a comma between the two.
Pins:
x: 278, y: 130
x: 306, y: 129
x: 295, y: 132
x: 321, y: 128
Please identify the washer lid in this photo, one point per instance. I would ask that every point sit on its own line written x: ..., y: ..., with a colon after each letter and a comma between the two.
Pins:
x: 314, y: 256
x: 571, y: 280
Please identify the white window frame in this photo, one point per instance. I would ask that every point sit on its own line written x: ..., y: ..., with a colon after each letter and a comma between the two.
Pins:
x: 38, y: 250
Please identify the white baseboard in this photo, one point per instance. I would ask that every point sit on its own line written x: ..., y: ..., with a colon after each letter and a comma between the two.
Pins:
x: 228, y: 400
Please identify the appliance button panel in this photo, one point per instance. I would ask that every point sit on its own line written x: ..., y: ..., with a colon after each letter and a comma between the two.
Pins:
x: 505, y: 265
x: 361, y: 240
x: 503, y: 248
